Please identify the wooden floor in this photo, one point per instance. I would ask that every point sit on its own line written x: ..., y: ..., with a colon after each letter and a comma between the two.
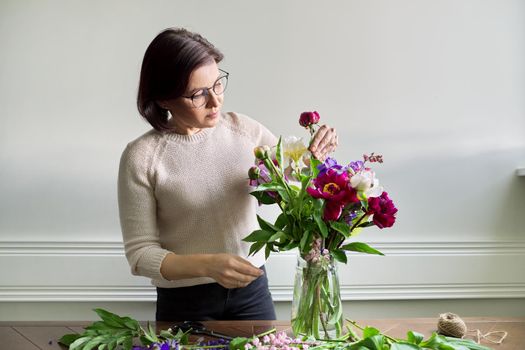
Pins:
x: 44, y: 335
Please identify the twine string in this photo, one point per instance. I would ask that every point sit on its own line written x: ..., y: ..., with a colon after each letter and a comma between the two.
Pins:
x: 452, y: 325
x: 494, y: 337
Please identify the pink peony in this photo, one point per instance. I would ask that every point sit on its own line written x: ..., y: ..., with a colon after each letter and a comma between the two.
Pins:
x: 383, y: 210
x: 308, y: 118
x: 334, y: 189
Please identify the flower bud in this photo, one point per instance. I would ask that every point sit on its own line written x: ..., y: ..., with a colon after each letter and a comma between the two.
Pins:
x: 308, y: 118
x: 254, y: 173
x: 261, y: 152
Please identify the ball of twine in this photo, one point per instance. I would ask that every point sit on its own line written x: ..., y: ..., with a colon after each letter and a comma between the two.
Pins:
x: 451, y: 325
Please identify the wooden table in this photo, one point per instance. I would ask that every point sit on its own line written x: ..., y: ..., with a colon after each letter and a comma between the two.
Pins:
x: 44, y: 335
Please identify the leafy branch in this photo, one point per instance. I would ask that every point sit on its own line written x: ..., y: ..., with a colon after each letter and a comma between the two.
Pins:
x: 114, y: 332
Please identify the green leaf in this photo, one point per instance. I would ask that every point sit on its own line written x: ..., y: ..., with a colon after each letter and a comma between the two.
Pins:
x: 258, y: 236
x: 306, y: 240
x: 276, y: 236
x: 145, y: 340
x: 95, y: 342
x: 366, y: 224
x: 290, y: 246
x: 370, y: 332
x: 414, y: 337
x: 404, y: 346
x: 127, y: 344
x: 238, y: 343
x: 265, y: 225
x: 68, y: 339
x: 361, y: 248
x: 109, y: 318
x: 131, y: 323
x: 279, y: 154
x: 267, y: 252
x: 102, y: 346
x: 340, y: 256
x: 281, y: 221
x: 255, y: 247
x: 79, y: 342
x: 167, y: 334
x: 101, y: 326
x: 314, y: 163
x: 270, y: 186
x: 263, y: 197
x: 375, y: 342
x: 341, y: 227
x: 319, y: 220
x: 467, y: 343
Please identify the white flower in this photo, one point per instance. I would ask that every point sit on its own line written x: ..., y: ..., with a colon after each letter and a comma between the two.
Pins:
x: 294, y: 150
x: 366, y: 183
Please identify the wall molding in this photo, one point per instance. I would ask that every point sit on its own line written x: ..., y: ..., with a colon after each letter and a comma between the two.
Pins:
x: 89, y: 248
x: 76, y: 271
x: 280, y: 294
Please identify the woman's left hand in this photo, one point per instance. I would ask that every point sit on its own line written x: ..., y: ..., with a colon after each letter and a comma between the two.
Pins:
x: 323, y: 143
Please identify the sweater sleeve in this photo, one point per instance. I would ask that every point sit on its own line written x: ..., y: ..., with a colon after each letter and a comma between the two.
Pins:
x: 137, y: 210
x: 267, y: 138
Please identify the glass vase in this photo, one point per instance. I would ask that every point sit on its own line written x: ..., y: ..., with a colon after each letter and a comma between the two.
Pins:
x: 316, y: 307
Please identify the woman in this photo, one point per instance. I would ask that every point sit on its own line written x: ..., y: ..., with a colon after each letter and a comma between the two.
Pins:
x: 183, y: 191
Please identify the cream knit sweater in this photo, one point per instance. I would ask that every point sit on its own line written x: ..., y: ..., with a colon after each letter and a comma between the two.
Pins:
x: 188, y: 195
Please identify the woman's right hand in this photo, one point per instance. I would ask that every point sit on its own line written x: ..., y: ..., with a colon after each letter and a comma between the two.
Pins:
x: 231, y: 271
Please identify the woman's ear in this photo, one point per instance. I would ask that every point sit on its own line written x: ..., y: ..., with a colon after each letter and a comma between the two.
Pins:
x: 162, y: 104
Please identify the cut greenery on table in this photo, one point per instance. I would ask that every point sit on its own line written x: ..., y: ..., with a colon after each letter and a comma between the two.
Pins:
x: 114, y: 332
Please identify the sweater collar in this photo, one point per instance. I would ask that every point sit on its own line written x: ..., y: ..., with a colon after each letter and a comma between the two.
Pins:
x: 195, y: 138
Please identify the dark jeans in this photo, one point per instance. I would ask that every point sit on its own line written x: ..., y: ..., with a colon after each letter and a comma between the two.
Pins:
x: 212, y: 301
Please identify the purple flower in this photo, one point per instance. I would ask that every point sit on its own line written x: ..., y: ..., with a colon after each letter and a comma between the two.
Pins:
x: 308, y: 118
x: 258, y: 174
x: 330, y: 163
x: 356, y: 166
x: 350, y: 217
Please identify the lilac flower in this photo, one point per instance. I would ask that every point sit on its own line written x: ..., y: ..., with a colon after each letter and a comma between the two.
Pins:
x: 259, y: 174
x: 350, y: 217
x: 331, y: 164
x: 356, y: 166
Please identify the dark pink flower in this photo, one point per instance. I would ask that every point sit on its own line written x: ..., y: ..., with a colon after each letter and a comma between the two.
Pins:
x: 383, y: 210
x: 333, y: 187
x: 308, y: 118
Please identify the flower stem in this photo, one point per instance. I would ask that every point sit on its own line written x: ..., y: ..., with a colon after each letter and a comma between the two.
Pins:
x: 273, y: 330
x: 269, y: 164
x: 354, y: 226
x: 361, y: 328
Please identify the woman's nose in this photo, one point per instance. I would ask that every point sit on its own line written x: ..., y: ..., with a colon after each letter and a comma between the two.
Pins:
x: 213, y: 100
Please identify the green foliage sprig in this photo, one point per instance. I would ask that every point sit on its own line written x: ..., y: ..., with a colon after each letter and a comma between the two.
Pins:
x: 114, y: 332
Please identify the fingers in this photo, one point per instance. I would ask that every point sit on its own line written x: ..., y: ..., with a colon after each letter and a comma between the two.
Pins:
x: 324, y: 142
x: 232, y: 271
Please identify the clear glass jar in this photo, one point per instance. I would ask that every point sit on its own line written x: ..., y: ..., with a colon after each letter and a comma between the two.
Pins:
x: 316, y: 307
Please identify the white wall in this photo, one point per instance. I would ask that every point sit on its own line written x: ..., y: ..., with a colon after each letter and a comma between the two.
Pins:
x: 437, y: 87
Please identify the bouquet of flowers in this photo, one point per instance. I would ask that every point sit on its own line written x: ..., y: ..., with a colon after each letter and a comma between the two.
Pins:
x: 323, y: 206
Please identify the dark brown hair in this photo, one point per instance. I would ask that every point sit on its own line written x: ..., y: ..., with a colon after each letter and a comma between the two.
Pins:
x: 168, y: 62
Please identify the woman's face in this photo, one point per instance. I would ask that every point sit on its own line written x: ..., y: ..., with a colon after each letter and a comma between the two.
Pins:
x: 188, y: 119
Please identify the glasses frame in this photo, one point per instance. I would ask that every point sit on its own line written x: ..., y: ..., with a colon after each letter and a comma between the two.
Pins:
x: 207, y: 93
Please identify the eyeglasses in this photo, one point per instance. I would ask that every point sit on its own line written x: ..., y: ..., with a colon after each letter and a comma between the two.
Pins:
x: 202, y: 96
